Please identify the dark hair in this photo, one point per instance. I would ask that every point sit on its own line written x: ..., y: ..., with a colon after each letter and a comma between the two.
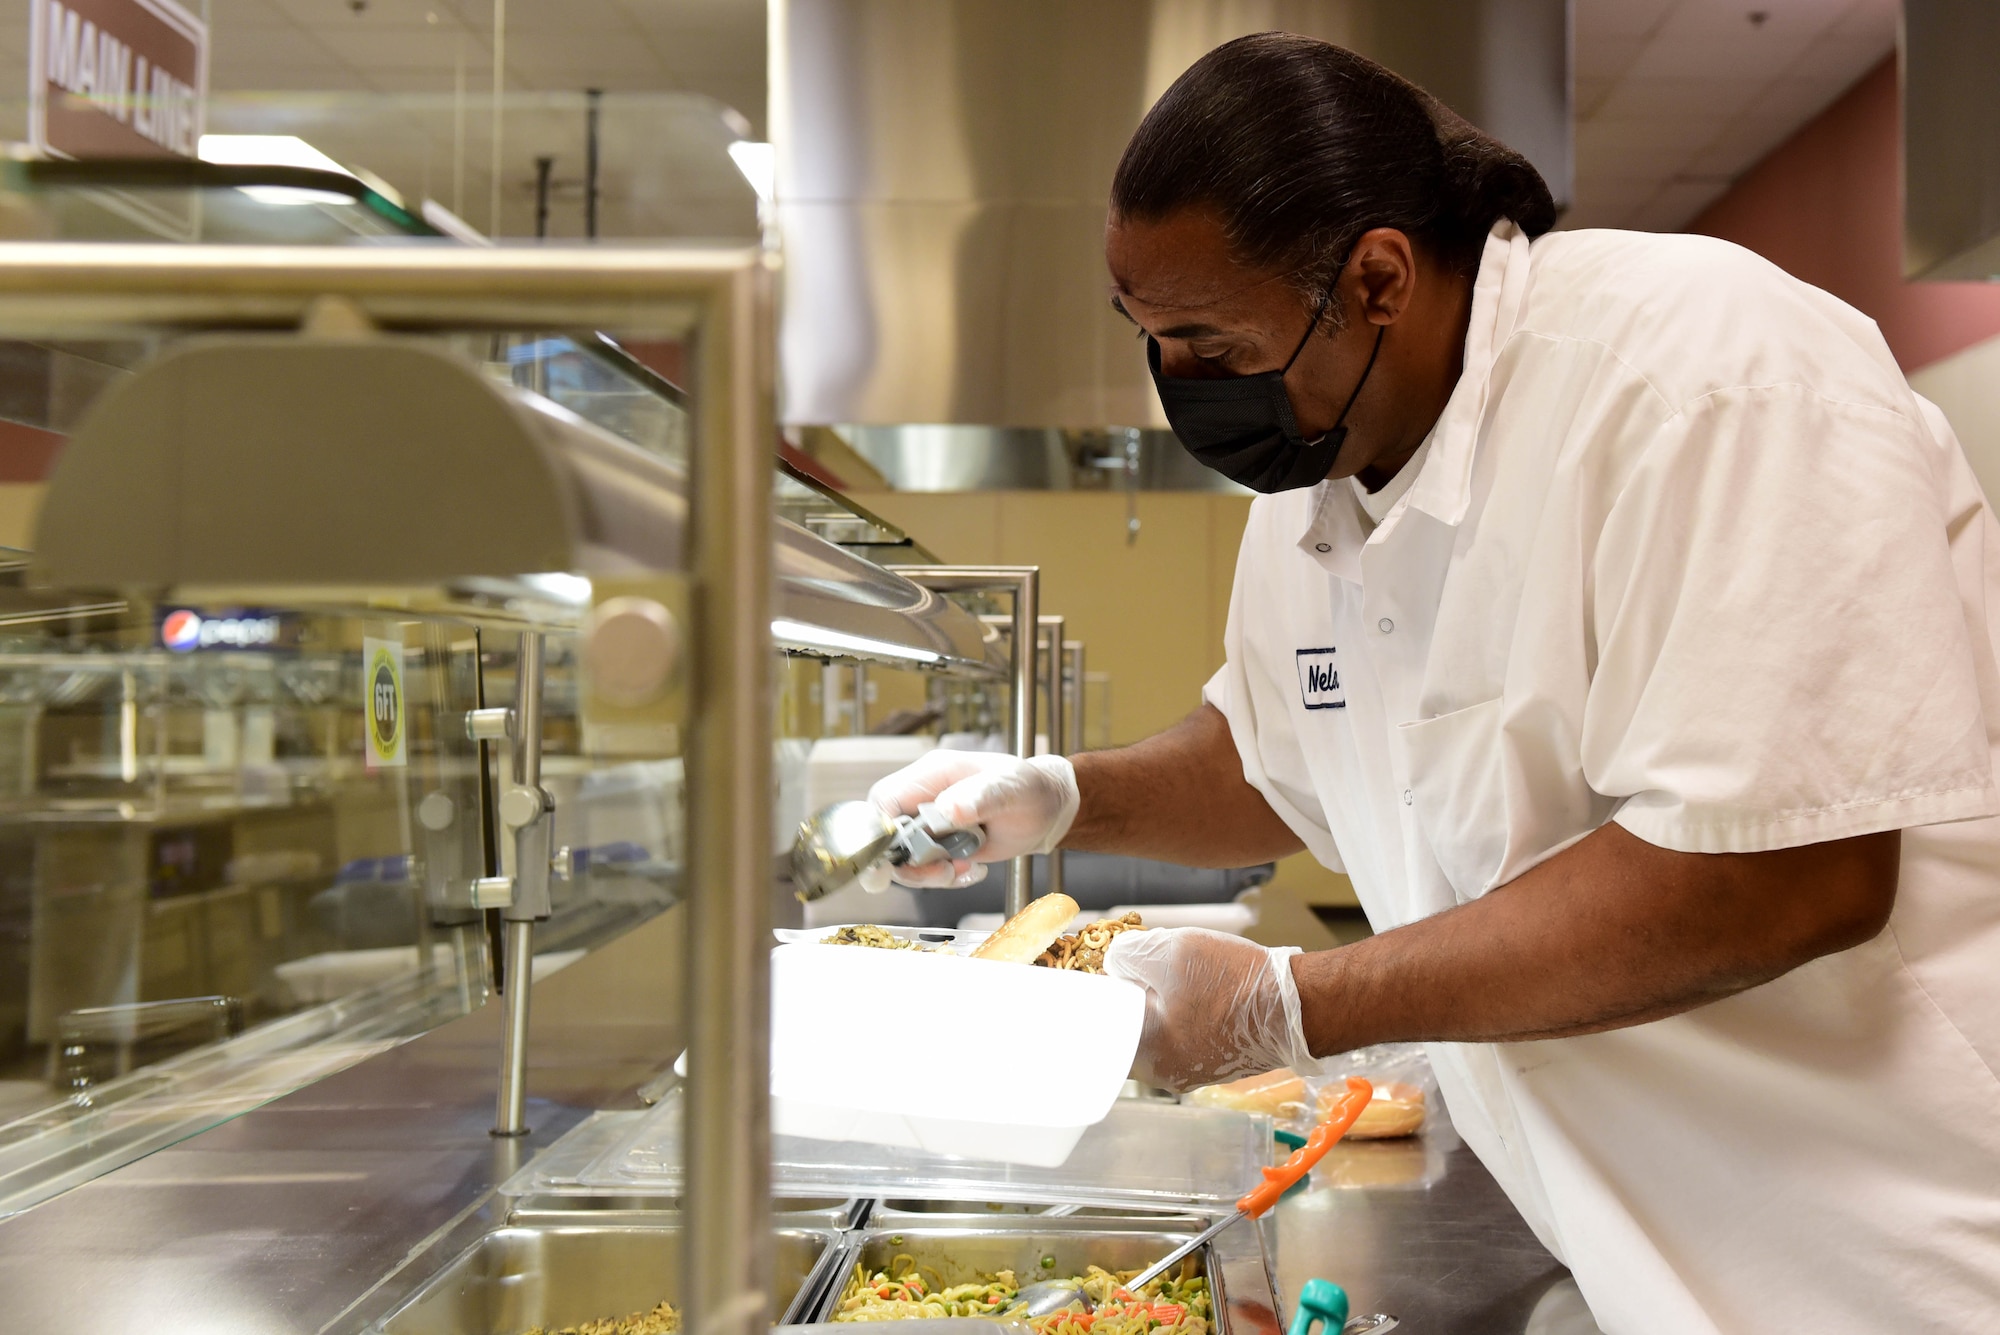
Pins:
x: 1301, y: 146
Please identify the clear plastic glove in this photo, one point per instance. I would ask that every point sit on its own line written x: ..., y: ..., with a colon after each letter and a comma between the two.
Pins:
x: 1024, y: 806
x: 1218, y: 1007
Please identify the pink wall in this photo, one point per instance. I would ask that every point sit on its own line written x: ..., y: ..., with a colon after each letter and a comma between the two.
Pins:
x: 1827, y: 205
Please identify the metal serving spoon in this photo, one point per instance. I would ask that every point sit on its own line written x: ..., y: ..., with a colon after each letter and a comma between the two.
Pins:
x: 843, y: 840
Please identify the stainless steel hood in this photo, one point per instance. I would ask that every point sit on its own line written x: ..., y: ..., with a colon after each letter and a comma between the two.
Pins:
x: 943, y: 167
x: 1951, y: 139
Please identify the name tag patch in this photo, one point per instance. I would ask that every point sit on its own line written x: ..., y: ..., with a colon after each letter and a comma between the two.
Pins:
x: 1319, y: 679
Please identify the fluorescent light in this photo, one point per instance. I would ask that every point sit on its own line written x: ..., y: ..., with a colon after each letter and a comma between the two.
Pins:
x: 274, y: 150
x: 560, y: 587
x: 803, y: 636
x: 266, y: 150
x: 758, y: 163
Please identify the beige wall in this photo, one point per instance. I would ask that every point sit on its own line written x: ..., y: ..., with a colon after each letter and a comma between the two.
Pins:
x: 18, y: 503
x: 1966, y: 385
x: 1151, y: 612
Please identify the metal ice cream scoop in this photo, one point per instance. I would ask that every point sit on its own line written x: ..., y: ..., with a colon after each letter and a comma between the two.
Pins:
x: 841, y: 841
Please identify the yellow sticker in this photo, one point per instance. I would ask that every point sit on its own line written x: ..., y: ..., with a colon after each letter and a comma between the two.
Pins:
x: 382, y: 701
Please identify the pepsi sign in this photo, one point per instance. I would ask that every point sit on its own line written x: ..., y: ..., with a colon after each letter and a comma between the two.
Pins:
x: 183, y: 630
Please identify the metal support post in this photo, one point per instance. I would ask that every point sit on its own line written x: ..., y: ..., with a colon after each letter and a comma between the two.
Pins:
x: 1050, y: 633
x: 1073, y: 685
x: 526, y: 810
x: 1025, y: 584
x: 726, y: 1257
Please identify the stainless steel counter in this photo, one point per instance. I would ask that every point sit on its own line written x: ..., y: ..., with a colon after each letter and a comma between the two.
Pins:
x: 322, y: 1210
x: 292, y: 1217
x: 1451, y: 1257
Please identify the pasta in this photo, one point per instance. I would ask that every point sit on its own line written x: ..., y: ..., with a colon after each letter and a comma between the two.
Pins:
x: 1178, y: 1304
x: 1084, y: 951
x: 661, y: 1320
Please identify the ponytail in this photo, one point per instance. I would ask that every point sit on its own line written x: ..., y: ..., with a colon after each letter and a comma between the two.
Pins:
x: 1488, y: 181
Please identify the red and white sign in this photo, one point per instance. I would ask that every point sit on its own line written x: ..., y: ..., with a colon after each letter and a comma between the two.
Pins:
x: 116, y: 78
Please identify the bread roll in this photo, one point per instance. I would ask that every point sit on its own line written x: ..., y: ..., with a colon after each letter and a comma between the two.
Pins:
x: 1023, y: 937
x: 1279, y: 1093
x: 1396, y: 1110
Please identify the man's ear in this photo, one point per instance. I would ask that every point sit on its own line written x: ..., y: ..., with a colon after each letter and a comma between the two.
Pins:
x: 1383, y: 274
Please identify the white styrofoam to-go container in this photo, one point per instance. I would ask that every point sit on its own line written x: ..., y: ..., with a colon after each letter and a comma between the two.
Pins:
x: 939, y: 1053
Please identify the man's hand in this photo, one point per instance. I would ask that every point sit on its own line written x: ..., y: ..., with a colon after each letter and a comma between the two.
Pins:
x: 1612, y: 931
x: 1217, y: 1006
x: 1179, y: 796
x: 1024, y: 806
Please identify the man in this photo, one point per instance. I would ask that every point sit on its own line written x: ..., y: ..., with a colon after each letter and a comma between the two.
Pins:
x: 1617, y: 619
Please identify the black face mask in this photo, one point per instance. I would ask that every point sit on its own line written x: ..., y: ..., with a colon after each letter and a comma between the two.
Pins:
x: 1243, y: 427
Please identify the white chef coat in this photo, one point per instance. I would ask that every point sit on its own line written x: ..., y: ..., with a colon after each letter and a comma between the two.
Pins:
x: 1685, y: 552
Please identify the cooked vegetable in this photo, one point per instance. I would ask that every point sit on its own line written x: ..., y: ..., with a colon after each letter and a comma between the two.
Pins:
x: 868, y: 935
x: 661, y: 1320
x: 1178, y: 1304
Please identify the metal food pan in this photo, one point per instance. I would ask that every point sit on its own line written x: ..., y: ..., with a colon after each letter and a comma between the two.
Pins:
x: 829, y: 1212
x: 920, y: 1212
x: 1032, y: 1249
x: 552, y: 1275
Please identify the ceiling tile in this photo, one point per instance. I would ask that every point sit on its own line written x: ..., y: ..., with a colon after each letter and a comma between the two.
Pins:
x: 1784, y: 20
x: 1740, y: 146
x: 1604, y: 197
x: 1643, y: 98
x: 252, y: 49
x: 1630, y: 149
x: 1608, y: 58
x: 1590, y: 95
x: 1842, y: 58
x: 225, y: 14
x: 555, y: 47
x: 603, y: 17
x: 1792, y: 102
x: 1676, y: 204
x: 396, y: 48
x: 330, y: 77
x: 423, y: 79
x: 343, y: 15
x: 1871, y: 18
x: 1775, y: 117
x: 1599, y: 19
x: 1743, y: 57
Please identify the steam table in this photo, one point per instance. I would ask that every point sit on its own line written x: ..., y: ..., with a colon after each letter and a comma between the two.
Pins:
x: 322, y: 1210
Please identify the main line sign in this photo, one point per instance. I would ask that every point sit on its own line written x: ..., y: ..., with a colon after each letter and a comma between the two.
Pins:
x: 116, y: 78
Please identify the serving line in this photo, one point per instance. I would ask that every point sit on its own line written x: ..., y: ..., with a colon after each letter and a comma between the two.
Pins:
x: 329, y: 1209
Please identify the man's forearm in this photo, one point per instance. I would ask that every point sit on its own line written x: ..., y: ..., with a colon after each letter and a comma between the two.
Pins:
x: 1612, y: 931
x: 1178, y: 796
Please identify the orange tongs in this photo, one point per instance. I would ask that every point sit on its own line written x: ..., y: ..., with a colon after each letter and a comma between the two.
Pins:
x: 1277, y: 1181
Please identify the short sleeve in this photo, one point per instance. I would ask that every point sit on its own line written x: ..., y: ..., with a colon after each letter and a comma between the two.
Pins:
x: 1783, y: 652
x: 1256, y: 705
